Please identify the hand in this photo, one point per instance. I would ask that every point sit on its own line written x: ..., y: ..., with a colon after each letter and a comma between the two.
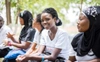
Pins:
x: 6, y: 42
x: 21, y: 58
x: 9, y: 35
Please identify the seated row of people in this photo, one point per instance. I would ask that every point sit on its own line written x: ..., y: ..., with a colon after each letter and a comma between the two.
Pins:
x: 50, y: 43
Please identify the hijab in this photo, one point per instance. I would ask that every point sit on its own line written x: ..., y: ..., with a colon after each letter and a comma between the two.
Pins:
x: 89, y: 40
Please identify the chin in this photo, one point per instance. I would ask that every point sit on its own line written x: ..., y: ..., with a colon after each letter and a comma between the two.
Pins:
x: 79, y: 30
x: 47, y: 28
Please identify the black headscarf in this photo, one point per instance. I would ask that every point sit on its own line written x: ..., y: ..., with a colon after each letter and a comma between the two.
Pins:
x: 27, y: 18
x: 89, y: 40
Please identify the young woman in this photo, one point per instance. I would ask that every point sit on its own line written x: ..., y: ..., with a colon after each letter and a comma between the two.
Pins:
x: 35, y: 45
x: 54, y: 41
x: 25, y: 38
x: 38, y: 26
x: 86, y: 43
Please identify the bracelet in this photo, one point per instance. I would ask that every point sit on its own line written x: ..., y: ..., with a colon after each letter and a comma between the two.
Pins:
x: 42, y: 58
x: 9, y: 43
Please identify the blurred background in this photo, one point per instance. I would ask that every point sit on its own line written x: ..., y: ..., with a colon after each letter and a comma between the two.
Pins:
x: 68, y: 11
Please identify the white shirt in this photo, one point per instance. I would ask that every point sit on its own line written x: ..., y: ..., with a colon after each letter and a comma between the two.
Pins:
x: 82, y: 58
x: 61, y: 41
x: 86, y: 57
x: 3, y: 34
x: 37, y: 37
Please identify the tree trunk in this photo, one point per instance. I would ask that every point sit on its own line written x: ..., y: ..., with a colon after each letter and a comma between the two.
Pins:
x: 81, y: 5
x: 8, y: 13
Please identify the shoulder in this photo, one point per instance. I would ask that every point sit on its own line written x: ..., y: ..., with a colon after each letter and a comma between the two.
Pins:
x: 77, y: 36
x: 31, y: 29
x: 62, y: 32
x: 44, y: 31
x: 37, y: 33
x: 5, y: 27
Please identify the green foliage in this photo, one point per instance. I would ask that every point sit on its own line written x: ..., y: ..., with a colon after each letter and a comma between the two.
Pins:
x: 37, y: 6
x: 1, y: 5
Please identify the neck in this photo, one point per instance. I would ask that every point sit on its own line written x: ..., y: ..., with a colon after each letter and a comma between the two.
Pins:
x: 39, y: 28
x: 53, y: 30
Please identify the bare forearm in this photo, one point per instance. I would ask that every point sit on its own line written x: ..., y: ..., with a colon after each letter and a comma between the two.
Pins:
x: 39, y: 58
x: 13, y: 39
x: 18, y: 45
x: 29, y: 51
x: 72, y: 58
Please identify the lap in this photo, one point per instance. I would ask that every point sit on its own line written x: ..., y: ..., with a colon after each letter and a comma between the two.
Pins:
x: 14, y: 53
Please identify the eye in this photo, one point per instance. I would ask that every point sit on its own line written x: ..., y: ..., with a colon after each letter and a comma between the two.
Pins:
x: 47, y: 19
x: 81, y: 18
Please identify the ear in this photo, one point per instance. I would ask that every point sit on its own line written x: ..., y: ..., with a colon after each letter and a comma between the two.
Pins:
x: 55, y: 19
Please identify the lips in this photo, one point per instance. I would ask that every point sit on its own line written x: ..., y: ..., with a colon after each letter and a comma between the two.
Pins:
x: 45, y: 24
x: 78, y: 26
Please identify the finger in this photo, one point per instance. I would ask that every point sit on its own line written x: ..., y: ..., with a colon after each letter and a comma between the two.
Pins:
x: 18, y: 60
x: 8, y: 33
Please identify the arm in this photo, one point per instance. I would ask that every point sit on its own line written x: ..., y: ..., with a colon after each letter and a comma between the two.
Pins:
x: 27, y: 40
x: 54, y: 54
x: 51, y: 57
x: 32, y: 48
x: 23, y: 45
x: 71, y: 59
x: 29, y: 52
x: 27, y: 57
x: 11, y: 37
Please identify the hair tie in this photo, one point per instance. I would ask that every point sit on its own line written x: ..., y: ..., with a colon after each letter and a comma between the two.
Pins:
x: 57, y: 21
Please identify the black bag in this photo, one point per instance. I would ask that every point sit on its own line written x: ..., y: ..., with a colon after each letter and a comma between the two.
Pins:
x: 4, y: 52
x: 60, y: 59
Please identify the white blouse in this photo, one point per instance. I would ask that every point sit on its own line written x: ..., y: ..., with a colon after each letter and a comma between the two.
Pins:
x: 87, y: 57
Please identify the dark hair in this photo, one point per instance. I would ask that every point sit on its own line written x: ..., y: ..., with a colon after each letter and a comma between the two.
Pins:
x: 27, y: 17
x: 1, y: 18
x: 53, y: 12
x: 38, y: 17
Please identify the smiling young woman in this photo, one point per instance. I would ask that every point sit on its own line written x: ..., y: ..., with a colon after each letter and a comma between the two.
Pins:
x: 54, y: 42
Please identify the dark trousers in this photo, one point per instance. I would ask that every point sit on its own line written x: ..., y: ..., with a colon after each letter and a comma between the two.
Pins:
x: 4, y: 52
x: 6, y: 60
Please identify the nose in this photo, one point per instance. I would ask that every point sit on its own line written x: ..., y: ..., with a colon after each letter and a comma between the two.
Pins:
x: 77, y: 22
x: 44, y: 21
